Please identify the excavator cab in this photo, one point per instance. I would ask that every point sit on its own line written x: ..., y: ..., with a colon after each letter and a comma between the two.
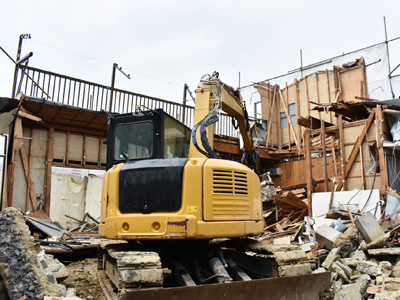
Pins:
x: 144, y: 135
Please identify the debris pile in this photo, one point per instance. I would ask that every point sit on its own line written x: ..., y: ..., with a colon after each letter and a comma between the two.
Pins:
x: 25, y: 273
x: 363, y: 263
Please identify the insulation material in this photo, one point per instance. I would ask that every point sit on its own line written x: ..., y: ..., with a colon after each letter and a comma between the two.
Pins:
x: 67, y: 198
x: 363, y: 200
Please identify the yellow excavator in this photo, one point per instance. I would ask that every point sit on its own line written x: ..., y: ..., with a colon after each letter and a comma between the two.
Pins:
x: 164, y: 183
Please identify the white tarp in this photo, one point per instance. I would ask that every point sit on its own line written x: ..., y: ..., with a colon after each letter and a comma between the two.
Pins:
x: 75, y: 192
x: 67, y: 198
x: 320, y: 201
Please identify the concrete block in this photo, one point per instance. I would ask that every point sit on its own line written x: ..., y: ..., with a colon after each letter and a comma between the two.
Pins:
x: 327, y: 236
x: 286, y: 240
x: 370, y: 268
x: 289, y: 257
x: 369, y: 228
x: 294, y: 270
x: 332, y: 256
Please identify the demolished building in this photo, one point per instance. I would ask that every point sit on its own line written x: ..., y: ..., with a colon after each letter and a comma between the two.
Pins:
x: 328, y: 145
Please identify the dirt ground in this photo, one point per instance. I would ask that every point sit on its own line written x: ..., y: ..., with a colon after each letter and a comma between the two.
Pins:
x: 83, y: 278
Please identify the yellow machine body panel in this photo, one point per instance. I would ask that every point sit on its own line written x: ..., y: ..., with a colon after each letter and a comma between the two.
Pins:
x: 219, y: 199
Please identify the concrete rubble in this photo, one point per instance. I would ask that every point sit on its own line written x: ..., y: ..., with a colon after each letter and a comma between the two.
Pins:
x: 25, y: 269
x: 360, y: 271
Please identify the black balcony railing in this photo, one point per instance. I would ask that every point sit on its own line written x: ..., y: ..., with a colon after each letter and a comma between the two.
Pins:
x: 76, y: 92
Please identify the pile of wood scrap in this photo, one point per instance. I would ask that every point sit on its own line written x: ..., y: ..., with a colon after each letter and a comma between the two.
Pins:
x: 284, y: 214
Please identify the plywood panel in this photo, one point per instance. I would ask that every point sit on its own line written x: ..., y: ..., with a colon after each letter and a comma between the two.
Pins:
x: 39, y: 150
x: 40, y: 138
x: 292, y: 93
x: 266, y: 98
x: 60, y: 145
x: 355, y: 183
x: 92, y: 149
x: 75, y: 147
x: 303, y: 98
x: 352, y: 83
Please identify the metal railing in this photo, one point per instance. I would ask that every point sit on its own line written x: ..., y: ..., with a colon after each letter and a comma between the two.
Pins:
x: 84, y: 94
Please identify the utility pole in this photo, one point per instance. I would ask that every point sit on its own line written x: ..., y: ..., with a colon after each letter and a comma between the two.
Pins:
x: 387, y: 51
x: 21, y: 38
x: 185, y: 87
x: 115, y: 66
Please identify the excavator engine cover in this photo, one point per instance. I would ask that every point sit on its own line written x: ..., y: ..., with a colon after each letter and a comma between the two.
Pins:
x: 153, y: 185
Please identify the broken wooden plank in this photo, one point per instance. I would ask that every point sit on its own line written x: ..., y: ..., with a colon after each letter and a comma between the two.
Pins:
x: 289, y: 202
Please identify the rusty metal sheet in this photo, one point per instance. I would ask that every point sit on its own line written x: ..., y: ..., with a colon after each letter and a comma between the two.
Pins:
x: 305, y: 287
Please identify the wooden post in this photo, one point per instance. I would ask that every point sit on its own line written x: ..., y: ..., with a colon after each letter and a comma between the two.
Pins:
x: 298, y: 127
x: 329, y: 93
x: 49, y: 163
x: 324, y: 154
x: 382, y: 158
x: 342, y: 154
x: 278, y: 118
x: 316, y: 84
x: 29, y: 172
x: 307, y: 154
x: 67, y: 150
x: 84, y: 150
x: 271, y: 113
x: 288, y: 115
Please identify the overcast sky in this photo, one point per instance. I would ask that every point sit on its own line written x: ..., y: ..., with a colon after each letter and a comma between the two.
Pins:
x: 165, y: 44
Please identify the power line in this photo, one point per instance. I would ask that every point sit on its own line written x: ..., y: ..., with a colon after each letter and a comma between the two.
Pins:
x: 108, y: 63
